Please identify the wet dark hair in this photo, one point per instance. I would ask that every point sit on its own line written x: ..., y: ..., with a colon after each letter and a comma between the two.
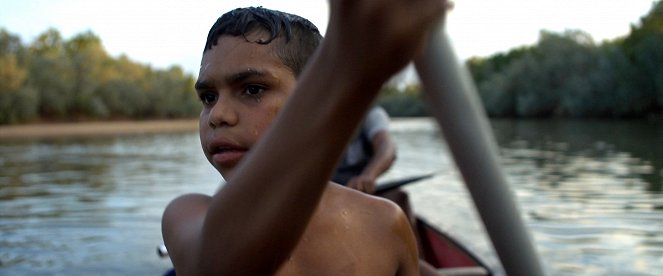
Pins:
x: 300, y: 36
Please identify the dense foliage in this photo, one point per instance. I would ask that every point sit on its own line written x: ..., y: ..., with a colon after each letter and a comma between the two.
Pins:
x: 403, y: 102
x: 563, y: 75
x: 570, y: 75
x: 566, y: 75
x: 62, y: 80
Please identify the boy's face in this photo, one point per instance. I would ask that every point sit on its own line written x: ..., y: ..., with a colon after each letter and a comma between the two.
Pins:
x: 242, y: 86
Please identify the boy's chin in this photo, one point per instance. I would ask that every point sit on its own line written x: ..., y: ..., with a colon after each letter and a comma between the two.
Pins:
x: 226, y: 173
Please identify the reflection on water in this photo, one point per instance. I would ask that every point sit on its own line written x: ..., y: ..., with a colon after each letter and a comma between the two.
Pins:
x: 594, y: 190
x: 93, y: 204
x: 589, y: 191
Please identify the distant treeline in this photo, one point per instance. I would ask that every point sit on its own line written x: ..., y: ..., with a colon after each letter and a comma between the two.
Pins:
x: 566, y: 75
x: 563, y: 75
x: 54, y: 79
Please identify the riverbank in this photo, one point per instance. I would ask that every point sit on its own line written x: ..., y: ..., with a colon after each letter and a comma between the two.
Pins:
x: 87, y: 129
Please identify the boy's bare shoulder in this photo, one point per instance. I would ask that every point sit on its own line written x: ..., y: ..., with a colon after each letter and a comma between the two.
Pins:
x: 192, y: 202
x: 366, y: 205
x: 182, y: 212
x: 378, y: 224
x: 180, y: 226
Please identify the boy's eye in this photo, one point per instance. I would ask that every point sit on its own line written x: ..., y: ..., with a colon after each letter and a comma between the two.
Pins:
x: 254, y: 90
x: 208, y: 98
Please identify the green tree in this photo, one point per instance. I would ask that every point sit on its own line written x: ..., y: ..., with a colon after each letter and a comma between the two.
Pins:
x: 171, y: 94
x: 87, y: 58
x: 50, y: 75
x: 644, y: 47
x: 567, y: 74
x: 57, y: 79
x: 12, y: 76
x: 616, y: 78
x: 122, y: 90
x: 17, y: 102
x: 402, y: 102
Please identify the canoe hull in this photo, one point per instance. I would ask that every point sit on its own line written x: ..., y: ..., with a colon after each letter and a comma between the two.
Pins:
x: 442, y: 251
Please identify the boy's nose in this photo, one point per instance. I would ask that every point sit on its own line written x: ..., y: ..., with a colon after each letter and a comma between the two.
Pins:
x: 222, y: 114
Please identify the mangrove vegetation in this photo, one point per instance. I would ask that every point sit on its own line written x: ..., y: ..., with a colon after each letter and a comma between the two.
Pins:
x: 566, y: 75
x: 563, y: 75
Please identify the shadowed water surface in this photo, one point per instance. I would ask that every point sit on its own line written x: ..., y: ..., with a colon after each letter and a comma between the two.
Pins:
x: 590, y: 192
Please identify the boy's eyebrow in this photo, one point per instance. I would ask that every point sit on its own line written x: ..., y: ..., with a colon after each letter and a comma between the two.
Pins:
x: 243, y: 75
x: 202, y: 85
x: 233, y: 78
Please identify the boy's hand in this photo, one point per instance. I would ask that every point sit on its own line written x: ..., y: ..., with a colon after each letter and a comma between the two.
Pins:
x: 379, y: 37
x: 363, y: 183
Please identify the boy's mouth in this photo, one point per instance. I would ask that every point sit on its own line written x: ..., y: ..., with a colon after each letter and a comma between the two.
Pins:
x: 227, y: 155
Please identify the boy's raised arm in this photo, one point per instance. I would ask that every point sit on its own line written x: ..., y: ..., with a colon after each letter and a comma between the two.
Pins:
x: 253, y: 223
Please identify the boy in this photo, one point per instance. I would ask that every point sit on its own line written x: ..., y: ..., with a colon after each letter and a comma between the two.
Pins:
x: 370, y: 153
x: 278, y: 213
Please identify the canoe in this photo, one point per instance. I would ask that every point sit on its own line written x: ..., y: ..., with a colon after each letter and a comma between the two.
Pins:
x: 439, y: 249
x: 446, y: 254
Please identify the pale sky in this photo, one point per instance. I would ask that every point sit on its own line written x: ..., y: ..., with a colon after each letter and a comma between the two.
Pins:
x: 167, y: 32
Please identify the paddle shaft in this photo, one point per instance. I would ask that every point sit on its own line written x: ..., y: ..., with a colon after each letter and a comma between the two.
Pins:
x: 454, y: 103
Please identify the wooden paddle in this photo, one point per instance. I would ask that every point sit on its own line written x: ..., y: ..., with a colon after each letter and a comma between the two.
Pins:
x: 454, y: 103
x: 397, y: 183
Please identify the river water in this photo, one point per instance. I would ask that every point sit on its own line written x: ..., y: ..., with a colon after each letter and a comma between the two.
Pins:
x: 589, y: 192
